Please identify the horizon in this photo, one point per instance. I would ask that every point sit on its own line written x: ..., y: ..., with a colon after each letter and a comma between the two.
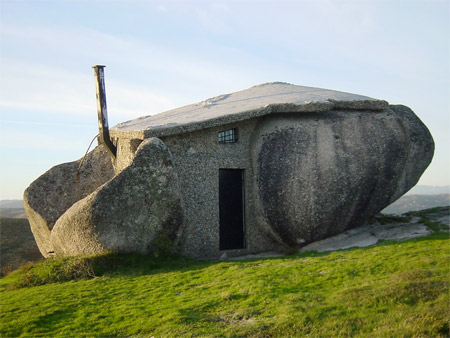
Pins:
x: 408, y: 193
x: 160, y: 55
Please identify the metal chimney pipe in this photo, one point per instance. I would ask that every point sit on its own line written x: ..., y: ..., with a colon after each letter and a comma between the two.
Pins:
x: 102, y: 112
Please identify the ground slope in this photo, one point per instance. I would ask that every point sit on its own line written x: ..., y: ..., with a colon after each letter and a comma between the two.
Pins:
x: 393, y: 289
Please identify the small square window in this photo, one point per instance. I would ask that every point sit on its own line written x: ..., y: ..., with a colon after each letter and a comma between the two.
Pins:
x: 227, y: 136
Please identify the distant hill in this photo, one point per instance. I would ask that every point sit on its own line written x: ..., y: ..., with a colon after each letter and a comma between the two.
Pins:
x: 12, y: 209
x: 17, y: 244
x: 13, y: 212
x: 15, y: 204
x: 429, y: 190
x: 417, y: 202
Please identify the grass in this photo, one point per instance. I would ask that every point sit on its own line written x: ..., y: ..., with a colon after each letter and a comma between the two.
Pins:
x: 427, y: 215
x: 397, y: 289
x: 428, y: 211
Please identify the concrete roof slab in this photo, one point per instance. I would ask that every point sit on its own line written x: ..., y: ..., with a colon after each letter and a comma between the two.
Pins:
x: 260, y: 100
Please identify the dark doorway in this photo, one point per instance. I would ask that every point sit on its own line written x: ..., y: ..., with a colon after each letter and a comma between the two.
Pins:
x: 231, y: 209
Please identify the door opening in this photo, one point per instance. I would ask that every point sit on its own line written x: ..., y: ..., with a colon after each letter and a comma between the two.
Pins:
x: 231, y: 209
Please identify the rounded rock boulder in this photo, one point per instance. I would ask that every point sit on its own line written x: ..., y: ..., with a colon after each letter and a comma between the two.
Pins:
x: 319, y: 174
x: 137, y: 208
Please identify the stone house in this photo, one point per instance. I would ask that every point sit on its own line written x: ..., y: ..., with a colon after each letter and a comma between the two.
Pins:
x: 267, y: 168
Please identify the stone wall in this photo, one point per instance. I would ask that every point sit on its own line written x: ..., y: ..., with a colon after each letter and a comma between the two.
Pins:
x: 198, y: 158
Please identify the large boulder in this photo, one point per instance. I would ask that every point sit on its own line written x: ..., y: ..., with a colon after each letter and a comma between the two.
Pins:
x: 137, y: 207
x: 50, y: 195
x: 319, y: 174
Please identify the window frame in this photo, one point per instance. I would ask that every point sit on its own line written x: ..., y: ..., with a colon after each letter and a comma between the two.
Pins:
x: 227, y: 136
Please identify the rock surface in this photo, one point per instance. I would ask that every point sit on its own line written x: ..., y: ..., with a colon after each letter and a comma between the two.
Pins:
x: 50, y: 195
x: 368, y: 235
x: 319, y: 175
x: 139, y: 205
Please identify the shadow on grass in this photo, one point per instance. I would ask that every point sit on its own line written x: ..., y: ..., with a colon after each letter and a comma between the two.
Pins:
x: 55, y: 270
x: 49, y: 322
x: 199, y: 313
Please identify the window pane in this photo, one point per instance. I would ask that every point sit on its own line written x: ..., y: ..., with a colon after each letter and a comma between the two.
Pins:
x: 227, y: 136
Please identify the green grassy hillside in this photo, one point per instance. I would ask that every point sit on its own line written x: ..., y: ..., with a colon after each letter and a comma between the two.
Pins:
x: 396, y: 289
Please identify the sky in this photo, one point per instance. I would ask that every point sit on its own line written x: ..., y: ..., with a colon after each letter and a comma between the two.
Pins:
x: 161, y: 55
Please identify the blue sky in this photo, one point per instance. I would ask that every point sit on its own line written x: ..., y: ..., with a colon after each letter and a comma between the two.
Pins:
x: 165, y: 54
